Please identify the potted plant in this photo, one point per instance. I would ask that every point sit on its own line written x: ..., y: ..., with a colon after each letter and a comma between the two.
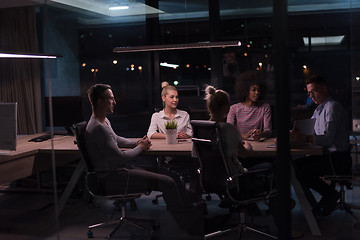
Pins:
x: 171, y: 132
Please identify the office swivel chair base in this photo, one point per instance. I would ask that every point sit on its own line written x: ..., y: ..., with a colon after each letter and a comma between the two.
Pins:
x: 342, y: 205
x: 344, y: 181
x: 118, y: 223
x: 123, y: 220
x: 241, y: 227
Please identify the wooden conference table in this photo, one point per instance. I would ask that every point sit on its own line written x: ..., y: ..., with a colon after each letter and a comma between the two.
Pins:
x: 33, y: 157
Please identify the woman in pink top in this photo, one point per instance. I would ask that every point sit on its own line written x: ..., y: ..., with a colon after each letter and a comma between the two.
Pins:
x: 250, y: 116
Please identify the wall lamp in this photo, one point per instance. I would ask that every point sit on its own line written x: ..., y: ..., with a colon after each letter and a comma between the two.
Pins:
x: 25, y: 55
x: 177, y: 46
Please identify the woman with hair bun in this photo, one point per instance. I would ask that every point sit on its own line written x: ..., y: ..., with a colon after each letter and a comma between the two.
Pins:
x: 170, y: 98
x: 218, y: 105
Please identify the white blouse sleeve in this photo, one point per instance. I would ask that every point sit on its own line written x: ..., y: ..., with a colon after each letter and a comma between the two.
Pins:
x: 188, y: 129
x: 153, y: 128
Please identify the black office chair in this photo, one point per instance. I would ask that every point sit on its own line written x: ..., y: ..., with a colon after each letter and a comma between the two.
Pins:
x: 215, y: 175
x: 96, y: 189
x: 344, y: 182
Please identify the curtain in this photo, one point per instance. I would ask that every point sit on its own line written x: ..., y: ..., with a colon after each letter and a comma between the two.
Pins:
x: 20, y: 78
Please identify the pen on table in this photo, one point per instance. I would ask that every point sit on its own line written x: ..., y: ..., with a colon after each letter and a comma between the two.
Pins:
x: 253, y: 133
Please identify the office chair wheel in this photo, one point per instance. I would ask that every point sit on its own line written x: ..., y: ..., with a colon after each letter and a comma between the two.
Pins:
x: 357, y: 226
x: 156, y: 226
x: 205, y: 209
x: 133, y: 205
x: 90, y: 234
x: 156, y: 200
x: 208, y: 197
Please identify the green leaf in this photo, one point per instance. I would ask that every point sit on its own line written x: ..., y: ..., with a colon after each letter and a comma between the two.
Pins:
x: 171, y: 124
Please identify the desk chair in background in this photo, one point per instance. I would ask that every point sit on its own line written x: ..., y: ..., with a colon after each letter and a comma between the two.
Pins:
x: 95, y: 189
x: 344, y: 182
x: 215, y: 176
x: 355, y: 152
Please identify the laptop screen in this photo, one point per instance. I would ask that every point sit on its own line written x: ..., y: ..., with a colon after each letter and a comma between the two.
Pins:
x: 305, y: 126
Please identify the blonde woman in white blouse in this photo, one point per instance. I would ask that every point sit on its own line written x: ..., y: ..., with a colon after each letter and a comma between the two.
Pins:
x: 170, y: 98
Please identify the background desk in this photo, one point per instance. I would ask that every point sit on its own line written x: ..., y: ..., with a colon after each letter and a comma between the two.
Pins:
x: 33, y: 157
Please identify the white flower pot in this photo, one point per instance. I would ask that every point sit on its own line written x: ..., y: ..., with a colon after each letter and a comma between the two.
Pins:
x: 171, y: 136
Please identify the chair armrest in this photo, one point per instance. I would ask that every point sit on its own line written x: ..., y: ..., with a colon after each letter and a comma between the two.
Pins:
x: 123, y: 171
x: 237, y: 185
x: 112, y: 170
x: 265, y: 170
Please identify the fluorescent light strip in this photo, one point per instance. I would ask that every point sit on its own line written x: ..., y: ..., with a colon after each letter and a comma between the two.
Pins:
x: 119, y: 8
x: 177, y: 46
x: 323, y: 41
x: 165, y: 64
x: 18, y: 55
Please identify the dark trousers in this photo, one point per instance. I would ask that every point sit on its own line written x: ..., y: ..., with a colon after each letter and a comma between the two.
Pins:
x: 174, y: 193
x: 257, y: 163
x: 308, y: 170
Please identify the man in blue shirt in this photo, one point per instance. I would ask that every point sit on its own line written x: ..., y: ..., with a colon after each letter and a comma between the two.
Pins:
x: 330, y: 132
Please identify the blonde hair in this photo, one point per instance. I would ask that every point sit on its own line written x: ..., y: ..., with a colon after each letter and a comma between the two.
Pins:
x: 166, y: 87
x: 217, y: 102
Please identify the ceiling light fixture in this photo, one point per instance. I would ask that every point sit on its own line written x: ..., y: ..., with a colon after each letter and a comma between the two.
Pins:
x: 177, y: 46
x: 24, y: 55
x: 165, y: 64
x: 323, y: 41
x: 119, y: 8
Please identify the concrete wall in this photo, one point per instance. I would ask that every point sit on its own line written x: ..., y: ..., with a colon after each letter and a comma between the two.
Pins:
x: 61, y: 37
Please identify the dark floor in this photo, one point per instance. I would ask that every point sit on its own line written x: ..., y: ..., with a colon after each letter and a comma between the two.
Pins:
x: 31, y: 216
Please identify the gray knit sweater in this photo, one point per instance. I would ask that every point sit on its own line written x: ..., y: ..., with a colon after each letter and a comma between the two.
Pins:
x: 103, y: 144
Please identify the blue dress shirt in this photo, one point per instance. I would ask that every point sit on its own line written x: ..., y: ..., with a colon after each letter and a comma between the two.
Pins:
x: 331, y: 126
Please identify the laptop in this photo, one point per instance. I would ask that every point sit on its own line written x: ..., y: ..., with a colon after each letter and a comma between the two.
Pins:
x: 306, y: 127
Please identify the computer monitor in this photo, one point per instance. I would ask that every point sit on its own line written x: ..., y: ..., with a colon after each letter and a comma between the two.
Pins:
x: 8, y: 126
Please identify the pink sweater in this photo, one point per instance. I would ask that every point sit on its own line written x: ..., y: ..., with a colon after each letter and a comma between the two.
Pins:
x: 246, y: 118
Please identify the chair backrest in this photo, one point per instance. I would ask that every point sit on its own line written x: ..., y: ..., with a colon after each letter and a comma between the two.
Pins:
x: 80, y: 141
x: 215, y: 177
x: 208, y: 147
x: 92, y: 182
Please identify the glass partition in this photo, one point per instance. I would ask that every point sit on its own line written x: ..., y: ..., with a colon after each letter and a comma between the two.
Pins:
x: 323, y: 38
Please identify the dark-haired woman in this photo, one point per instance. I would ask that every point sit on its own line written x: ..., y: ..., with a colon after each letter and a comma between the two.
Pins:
x: 250, y: 115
